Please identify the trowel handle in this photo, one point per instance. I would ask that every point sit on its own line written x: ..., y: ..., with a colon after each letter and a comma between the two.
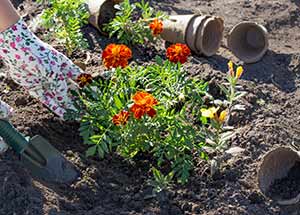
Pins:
x: 12, y: 137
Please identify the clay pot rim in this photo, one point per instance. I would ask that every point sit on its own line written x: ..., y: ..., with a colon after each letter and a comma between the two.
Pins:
x: 258, y: 26
x: 259, y: 173
x: 200, y: 32
x: 192, y: 44
x: 95, y: 12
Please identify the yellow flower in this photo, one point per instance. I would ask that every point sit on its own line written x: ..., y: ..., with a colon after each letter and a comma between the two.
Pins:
x: 222, y: 116
x: 230, y: 68
x: 239, y: 72
x: 210, y: 112
x: 230, y: 65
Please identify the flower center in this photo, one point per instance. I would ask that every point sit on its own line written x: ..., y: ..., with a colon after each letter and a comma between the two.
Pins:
x: 115, y: 51
x: 83, y: 79
x: 178, y: 50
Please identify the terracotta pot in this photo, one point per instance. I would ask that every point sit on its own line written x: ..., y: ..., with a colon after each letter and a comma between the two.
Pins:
x: 101, y: 12
x: 209, y: 36
x: 248, y: 41
x: 202, y: 33
x: 276, y: 164
x: 174, y: 28
x: 192, y: 31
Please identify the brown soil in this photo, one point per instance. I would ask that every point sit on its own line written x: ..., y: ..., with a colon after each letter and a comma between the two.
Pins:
x: 115, y: 186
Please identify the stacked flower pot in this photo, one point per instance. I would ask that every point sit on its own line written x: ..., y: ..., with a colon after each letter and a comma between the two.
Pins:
x: 248, y: 41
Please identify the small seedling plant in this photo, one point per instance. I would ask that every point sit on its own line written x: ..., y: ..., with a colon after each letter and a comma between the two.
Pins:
x: 132, y: 23
x: 64, y: 19
x: 214, y: 118
x: 230, y: 88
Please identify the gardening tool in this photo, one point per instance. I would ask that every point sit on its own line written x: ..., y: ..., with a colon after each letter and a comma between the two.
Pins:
x: 202, y: 33
x: 101, y: 12
x: 276, y: 164
x: 248, y: 41
x: 41, y: 158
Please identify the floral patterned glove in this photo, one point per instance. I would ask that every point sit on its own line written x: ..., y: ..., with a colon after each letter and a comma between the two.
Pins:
x: 5, y: 112
x: 38, y: 67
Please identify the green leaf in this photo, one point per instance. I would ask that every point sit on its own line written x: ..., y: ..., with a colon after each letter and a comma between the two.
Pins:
x: 100, y: 152
x: 91, y: 151
x: 104, y: 146
x: 158, y: 60
x: 118, y: 102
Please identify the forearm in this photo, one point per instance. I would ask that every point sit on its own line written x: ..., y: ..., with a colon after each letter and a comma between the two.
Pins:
x: 8, y: 15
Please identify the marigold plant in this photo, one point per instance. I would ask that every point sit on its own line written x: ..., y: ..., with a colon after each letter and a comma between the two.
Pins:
x: 134, y: 23
x: 178, y: 53
x: 157, y: 110
x: 141, y: 110
x: 115, y: 55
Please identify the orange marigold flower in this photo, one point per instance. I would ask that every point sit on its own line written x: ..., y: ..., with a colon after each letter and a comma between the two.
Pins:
x: 115, y: 55
x: 151, y: 112
x: 121, y: 118
x: 139, y: 111
x: 144, y: 99
x: 143, y: 104
x: 156, y: 26
x: 84, y: 79
x: 178, y: 53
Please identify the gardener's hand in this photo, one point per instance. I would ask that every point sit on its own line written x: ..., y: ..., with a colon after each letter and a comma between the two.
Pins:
x: 38, y: 67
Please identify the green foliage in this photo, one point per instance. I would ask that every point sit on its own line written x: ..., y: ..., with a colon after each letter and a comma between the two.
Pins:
x: 182, y: 128
x: 161, y: 182
x: 130, y: 25
x: 64, y: 19
x: 171, y: 137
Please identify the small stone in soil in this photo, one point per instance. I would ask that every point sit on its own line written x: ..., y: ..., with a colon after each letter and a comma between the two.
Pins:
x: 255, y: 198
x: 21, y: 101
x: 288, y: 187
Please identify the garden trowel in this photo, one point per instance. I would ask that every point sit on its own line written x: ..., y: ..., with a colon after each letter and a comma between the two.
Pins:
x: 39, y: 156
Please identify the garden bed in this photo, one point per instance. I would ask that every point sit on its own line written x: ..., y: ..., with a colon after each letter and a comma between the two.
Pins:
x: 116, y: 186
